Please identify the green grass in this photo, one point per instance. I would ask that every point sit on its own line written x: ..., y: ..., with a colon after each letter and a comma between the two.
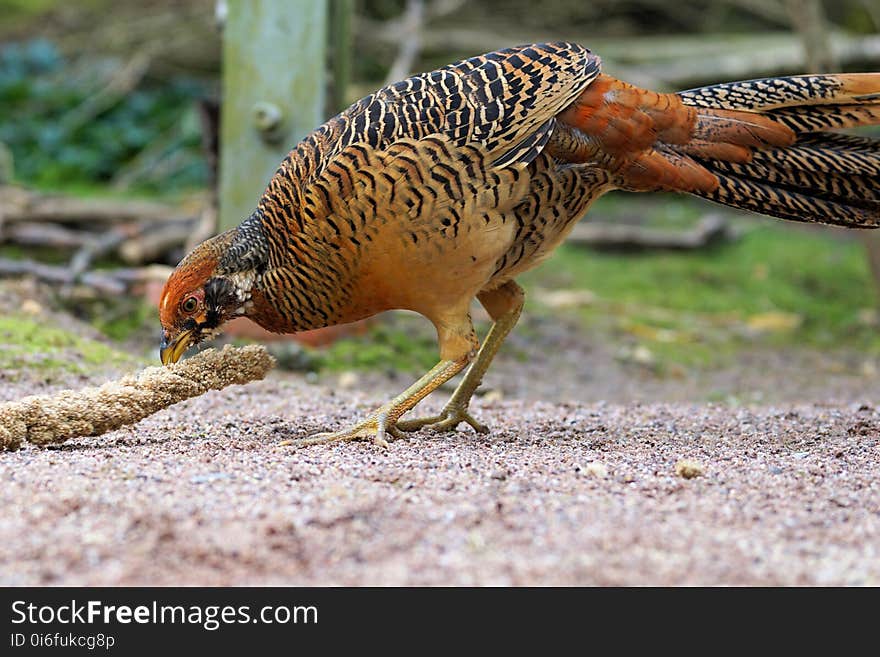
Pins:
x: 123, y: 318
x: 26, y: 343
x: 777, y: 285
x: 44, y: 254
x: 771, y: 269
x: 385, y: 347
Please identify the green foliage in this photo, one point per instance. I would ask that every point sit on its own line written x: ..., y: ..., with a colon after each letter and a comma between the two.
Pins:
x: 18, y: 12
x: 42, y: 95
x: 771, y: 269
x: 121, y: 318
x: 40, y: 253
x: 385, y: 348
x: 778, y: 285
x: 29, y: 344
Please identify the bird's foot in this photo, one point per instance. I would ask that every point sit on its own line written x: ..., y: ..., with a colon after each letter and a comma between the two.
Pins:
x: 377, y: 427
x: 447, y: 420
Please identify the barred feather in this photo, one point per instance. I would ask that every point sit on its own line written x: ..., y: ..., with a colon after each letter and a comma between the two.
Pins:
x: 766, y: 94
x: 785, y: 203
x: 823, y: 176
x: 843, y: 188
x: 827, y: 117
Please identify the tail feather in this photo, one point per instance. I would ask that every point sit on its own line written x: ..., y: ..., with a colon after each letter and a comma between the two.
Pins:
x: 844, y: 189
x: 777, y: 93
x: 818, y: 156
x: 759, y: 145
x: 740, y: 128
x: 827, y: 117
x: 776, y: 201
x: 822, y: 176
x: 846, y: 143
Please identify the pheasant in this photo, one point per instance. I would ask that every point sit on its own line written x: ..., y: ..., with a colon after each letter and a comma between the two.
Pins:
x: 447, y: 185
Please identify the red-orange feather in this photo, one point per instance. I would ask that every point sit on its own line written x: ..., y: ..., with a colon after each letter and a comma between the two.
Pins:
x: 627, y: 128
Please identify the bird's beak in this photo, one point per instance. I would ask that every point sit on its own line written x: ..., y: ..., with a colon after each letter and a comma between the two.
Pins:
x: 170, y: 352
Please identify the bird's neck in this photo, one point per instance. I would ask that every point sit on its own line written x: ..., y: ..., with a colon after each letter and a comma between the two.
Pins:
x: 246, y: 249
x: 242, y: 256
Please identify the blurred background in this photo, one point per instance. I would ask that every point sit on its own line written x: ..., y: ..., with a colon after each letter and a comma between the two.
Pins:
x: 131, y: 130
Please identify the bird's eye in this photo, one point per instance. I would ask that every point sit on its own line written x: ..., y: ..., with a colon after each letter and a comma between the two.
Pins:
x: 190, y: 305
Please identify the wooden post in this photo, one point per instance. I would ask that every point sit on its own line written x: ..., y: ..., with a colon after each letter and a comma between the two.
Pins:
x: 274, y: 77
x: 341, y: 13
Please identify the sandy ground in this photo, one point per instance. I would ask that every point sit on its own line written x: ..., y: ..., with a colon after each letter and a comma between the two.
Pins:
x: 558, y: 493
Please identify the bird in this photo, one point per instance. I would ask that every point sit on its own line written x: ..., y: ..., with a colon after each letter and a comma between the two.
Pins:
x: 444, y: 187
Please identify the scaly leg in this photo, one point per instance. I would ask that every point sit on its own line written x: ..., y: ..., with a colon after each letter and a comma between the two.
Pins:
x: 504, y: 305
x: 457, y: 345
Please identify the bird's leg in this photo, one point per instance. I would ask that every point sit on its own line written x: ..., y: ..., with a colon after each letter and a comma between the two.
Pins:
x: 504, y: 305
x: 457, y: 347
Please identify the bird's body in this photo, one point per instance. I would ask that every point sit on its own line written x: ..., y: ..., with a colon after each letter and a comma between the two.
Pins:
x: 446, y: 186
x: 411, y: 182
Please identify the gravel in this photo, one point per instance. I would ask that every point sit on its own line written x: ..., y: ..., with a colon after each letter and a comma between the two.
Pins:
x: 583, y: 492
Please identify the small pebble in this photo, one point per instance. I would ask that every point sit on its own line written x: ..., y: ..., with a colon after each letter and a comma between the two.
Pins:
x: 595, y: 469
x: 688, y: 469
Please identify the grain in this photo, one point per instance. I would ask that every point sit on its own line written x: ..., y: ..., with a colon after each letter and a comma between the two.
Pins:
x: 48, y: 419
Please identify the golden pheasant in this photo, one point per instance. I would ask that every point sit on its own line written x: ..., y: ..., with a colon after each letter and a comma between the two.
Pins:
x: 447, y: 185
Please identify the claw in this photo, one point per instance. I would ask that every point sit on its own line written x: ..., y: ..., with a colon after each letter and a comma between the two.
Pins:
x: 448, y: 419
x: 384, y: 422
x: 375, y: 428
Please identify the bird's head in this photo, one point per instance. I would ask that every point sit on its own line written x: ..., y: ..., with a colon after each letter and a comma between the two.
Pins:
x: 200, y: 296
